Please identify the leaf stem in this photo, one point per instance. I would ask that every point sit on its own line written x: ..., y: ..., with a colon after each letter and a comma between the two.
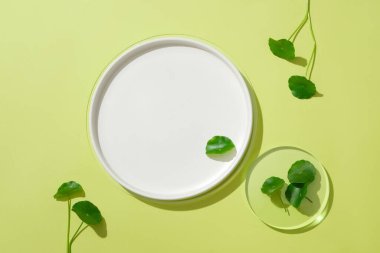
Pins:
x: 311, y: 62
x: 68, y: 248
x: 309, y: 199
x: 283, y: 205
x: 78, y: 229
x: 77, y: 234
x: 311, y: 23
x: 300, y: 26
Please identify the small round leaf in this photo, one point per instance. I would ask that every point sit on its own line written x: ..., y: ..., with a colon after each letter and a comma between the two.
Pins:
x: 87, y: 212
x: 295, y: 193
x: 219, y: 145
x: 301, y: 172
x: 301, y: 87
x: 282, y: 48
x: 272, y: 185
x: 69, y: 190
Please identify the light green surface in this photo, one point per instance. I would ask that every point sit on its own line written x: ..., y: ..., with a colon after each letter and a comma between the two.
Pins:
x: 52, y: 53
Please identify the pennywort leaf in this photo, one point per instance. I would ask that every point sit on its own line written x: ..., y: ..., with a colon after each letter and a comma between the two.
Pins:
x: 301, y: 87
x: 272, y: 185
x: 219, y: 145
x: 301, y: 172
x: 87, y: 212
x: 69, y: 190
x: 295, y: 193
x: 282, y: 48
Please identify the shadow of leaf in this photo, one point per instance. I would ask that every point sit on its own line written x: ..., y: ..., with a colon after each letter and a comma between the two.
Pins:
x: 277, y: 200
x: 300, y: 61
x: 318, y: 95
x: 310, y: 208
x: 227, y: 157
x: 101, y: 228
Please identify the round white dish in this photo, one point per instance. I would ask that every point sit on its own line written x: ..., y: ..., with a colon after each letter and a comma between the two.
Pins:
x: 155, y: 107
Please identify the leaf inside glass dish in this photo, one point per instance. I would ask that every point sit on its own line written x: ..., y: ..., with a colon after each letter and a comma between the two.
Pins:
x: 301, y: 172
x: 272, y: 185
x: 295, y: 193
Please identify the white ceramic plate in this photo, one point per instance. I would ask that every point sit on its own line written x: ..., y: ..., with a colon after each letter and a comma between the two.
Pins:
x: 154, y: 109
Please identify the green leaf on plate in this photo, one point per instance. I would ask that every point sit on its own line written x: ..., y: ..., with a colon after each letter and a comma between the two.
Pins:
x: 87, y: 212
x: 219, y: 145
x: 69, y: 190
x: 272, y: 185
x: 295, y: 193
x: 301, y: 172
x: 301, y: 87
x: 282, y: 48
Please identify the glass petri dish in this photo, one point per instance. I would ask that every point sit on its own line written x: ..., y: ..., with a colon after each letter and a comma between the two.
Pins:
x: 271, y: 211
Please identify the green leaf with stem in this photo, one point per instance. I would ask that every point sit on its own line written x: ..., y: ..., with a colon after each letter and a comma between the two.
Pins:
x: 89, y: 214
x: 68, y: 191
x: 301, y: 87
x: 311, y: 62
x: 219, y: 145
x: 86, y: 211
x: 301, y: 172
x: 295, y: 193
x: 282, y: 48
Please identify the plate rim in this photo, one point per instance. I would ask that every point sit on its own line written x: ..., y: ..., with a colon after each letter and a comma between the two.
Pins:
x: 104, y: 80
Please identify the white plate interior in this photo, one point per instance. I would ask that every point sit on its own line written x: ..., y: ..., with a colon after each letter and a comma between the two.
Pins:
x: 154, y: 109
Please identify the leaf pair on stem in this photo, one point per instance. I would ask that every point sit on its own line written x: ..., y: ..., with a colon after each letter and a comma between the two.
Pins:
x: 300, y: 175
x: 301, y: 86
x: 87, y: 212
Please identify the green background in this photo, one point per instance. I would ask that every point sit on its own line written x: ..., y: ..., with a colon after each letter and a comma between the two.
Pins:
x: 51, y: 53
